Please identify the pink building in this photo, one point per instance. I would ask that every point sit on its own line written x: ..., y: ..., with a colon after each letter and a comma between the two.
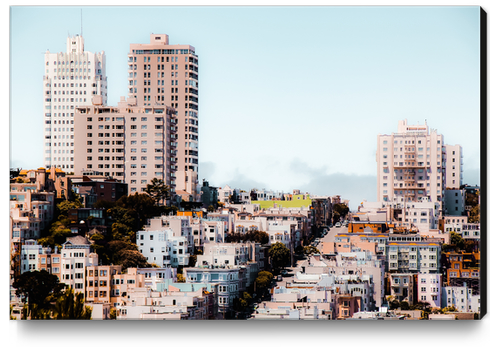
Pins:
x: 411, y: 165
x: 131, y: 143
x: 160, y: 73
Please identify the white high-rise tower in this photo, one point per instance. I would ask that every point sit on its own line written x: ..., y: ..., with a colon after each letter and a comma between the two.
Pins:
x: 71, y: 79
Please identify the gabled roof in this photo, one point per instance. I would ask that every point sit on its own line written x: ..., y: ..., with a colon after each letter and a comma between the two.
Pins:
x: 77, y: 240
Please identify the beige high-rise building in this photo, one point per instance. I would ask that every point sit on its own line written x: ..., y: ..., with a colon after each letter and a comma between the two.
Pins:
x: 411, y: 165
x: 131, y: 143
x: 164, y: 74
x: 71, y: 79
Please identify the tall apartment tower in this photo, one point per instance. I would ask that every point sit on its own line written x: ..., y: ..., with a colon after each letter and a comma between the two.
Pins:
x: 71, y: 79
x: 454, y: 166
x: 130, y: 143
x: 158, y: 74
x: 411, y: 165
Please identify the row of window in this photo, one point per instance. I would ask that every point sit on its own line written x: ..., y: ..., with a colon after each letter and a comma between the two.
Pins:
x: 412, y: 142
x: 76, y: 62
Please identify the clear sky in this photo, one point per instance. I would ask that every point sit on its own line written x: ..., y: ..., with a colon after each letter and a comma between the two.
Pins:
x: 289, y: 97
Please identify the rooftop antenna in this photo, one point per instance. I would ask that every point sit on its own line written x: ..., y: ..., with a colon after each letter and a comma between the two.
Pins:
x: 81, y: 23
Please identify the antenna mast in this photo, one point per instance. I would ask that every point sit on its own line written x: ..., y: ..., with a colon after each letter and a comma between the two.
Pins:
x: 81, y: 23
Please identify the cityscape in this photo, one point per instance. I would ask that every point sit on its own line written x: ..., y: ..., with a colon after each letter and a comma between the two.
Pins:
x: 118, y: 218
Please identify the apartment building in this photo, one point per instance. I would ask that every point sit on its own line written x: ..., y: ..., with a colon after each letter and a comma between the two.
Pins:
x: 321, y: 211
x: 463, y: 298
x: 160, y: 73
x: 429, y: 289
x: 454, y: 166
x: 99, y: 281
x: 92, y: 189
x: 122, y: 283
x: 75, y: 257
x: 455, y: 202
x: 71, y: 79
x: 180, y: 225
x: 233, y: 266
x: 30, y: 215
x: 360, y: 273
x: 411, y: 165
x: 470, y: 231
x: 346, y: 242
x: 416, y: 216
x: 414, y: 257
x: 402, y: 287
x: 229, y: 280
x: 49, y: 180
x: 208, y: 302
x: 130, y: 143
x: 29, y: 256
x: 163, y: 248
x: 167, y: 305
x: 49, y: 260
x: 462, y: 268
x: 295, y: 304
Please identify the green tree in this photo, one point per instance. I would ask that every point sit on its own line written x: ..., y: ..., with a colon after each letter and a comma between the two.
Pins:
x: 263, y: 281
x: 474, y: 216
x: 280, y: 255
x: 241, y: 304
x: 339, y: 210
x: 342, y: 209
x: 457, y: 240
x: 255, y: 236
x: 58, y: 232
x: 71, y: 306
x: 158, y: 190
x: 38, y: 288
x: 310, y: 250
x: 449, y: 309
x: 404, y: 305
x: 299, y: 250
x: 132, y: 258
x: 140, y: 207
x: 394, y: 304
x: 64, y: 206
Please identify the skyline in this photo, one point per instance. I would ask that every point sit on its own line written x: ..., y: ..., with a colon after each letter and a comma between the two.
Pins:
x: 305, y: 101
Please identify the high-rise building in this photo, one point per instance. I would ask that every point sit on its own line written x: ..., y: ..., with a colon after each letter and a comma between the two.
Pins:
x: 411, y: 165
x: 130, y: 143
x: 160, y: 73
x: 454, y: 166
x: 71, y: 79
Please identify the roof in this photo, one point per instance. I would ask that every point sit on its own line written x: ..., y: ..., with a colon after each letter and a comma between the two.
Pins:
x: 77, y: 240
x: 182, y: 192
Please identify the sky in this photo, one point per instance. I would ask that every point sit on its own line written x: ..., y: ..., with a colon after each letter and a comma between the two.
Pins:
x: 289, y: 97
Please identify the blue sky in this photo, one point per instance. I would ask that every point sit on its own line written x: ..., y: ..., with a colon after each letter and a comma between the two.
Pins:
x: 289, y: 97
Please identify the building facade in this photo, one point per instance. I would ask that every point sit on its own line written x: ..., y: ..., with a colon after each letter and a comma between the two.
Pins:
x: 130, y: 143
x: 71, y: 79
x: 454, y: 166
x: 430, y: 289
x: 411, y: 165
x: 158, y: 74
